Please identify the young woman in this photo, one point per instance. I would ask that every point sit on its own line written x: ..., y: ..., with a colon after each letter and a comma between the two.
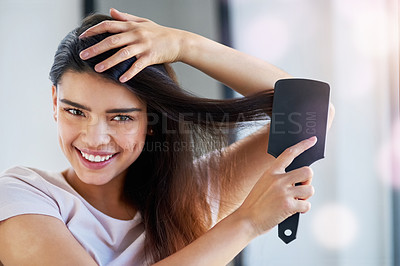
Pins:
x: 152, y: 179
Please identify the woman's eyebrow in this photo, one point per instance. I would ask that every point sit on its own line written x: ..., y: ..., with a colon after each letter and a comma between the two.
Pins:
x: 74, y: 104
x: 123, y: 110
x: 110, y: 111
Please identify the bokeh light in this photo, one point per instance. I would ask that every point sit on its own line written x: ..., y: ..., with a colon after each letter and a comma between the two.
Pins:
x: 266, y: 37
x: 371, y: 24
x: 361, y: 82
x: 335, y: 226
x: 371, y: 33
x: 351, y: 8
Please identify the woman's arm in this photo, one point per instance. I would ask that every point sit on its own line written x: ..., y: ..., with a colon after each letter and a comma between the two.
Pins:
x: 153, y: 44
x: 273, y: 199
x: 216, y: 247
x: 33, y: 239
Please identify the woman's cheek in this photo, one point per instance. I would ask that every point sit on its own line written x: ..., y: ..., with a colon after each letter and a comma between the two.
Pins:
x: 131, y: 141
x: 68, y: 128
x: 67, y: 134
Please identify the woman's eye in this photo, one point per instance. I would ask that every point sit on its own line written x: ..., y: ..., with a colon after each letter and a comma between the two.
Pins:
x: 74, y: 112
x: 122, y: 118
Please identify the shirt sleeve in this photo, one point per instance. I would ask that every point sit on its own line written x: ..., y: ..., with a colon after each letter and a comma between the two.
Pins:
x: 22, y: 192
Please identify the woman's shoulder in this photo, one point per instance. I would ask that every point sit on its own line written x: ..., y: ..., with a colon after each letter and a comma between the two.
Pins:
x: 21, y: 182
x: 30, y: 176
x: 19, y: 171
x: 22, y: 171
x: 25, y: 190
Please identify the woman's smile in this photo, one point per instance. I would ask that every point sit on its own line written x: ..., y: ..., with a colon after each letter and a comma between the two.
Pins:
x: 96, y: 159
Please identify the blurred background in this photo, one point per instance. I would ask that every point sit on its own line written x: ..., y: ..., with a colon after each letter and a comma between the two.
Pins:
x: 351, y: 44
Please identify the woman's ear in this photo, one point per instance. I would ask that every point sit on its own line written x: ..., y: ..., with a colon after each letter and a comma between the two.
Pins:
x: 54, y: 99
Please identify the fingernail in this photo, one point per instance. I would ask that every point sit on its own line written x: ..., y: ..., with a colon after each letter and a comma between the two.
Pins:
x: 99, y: 68
x: 313, y: 139
x: 82, y: 35
x: 84, y: 55
x: 123, y: 79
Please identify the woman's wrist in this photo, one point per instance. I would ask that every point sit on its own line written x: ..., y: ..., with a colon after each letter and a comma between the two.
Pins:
x: 243, y: 224
x: 188, y: 46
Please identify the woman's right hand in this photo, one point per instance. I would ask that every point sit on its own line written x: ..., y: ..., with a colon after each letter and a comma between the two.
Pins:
x: 275, y: 196
x: 153, y: 44
x: 136, y: 37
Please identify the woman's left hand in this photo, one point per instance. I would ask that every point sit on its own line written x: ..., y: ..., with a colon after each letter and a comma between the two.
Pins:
x: 149, y: 42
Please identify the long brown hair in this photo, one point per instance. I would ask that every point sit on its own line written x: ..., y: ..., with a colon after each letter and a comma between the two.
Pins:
x: 168, y: 184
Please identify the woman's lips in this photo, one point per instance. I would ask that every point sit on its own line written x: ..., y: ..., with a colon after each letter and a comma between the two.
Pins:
x: 95, y: 160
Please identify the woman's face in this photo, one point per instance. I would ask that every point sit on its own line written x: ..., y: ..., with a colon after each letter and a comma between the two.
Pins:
x: 101, y: 125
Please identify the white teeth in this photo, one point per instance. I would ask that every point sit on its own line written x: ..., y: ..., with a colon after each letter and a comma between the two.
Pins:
x: 96, y: 158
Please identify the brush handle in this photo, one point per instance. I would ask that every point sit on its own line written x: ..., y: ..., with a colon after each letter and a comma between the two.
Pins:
x: 287, y: 230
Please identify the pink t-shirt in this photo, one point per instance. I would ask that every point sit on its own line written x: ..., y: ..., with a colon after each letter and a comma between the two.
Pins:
x: 108, y: 240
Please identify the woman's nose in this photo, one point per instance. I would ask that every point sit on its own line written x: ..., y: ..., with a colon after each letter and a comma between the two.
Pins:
x: 96, y: 132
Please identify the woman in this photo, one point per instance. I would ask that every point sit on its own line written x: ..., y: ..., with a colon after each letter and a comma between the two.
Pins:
x: 150, y: 169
